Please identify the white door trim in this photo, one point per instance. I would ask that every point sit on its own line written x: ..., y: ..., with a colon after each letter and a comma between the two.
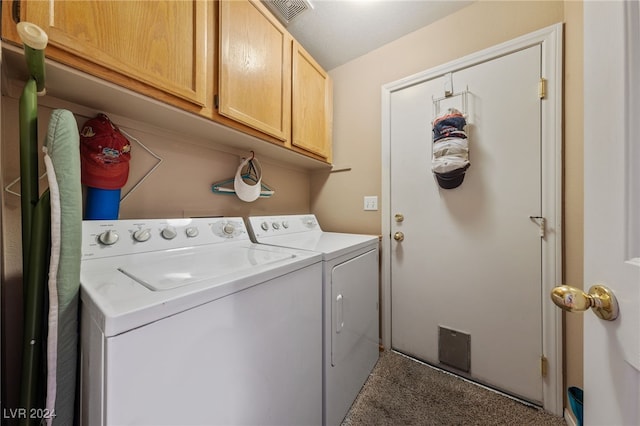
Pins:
x: 550, y: 39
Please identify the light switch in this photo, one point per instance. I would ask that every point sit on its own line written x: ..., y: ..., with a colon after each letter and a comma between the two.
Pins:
x: 371, y: 202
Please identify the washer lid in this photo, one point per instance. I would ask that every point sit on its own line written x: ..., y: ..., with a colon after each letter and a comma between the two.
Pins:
x: 157, y: 285
x: 184, y: 267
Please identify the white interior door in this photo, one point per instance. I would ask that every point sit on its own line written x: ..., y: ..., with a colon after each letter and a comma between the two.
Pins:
x: 612, y: 209
x: 407, y: 111
x: 471, y: 258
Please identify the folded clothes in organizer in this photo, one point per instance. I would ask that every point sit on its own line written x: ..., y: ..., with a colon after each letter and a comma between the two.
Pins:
x: 449, y: 124
x: 450, y: 155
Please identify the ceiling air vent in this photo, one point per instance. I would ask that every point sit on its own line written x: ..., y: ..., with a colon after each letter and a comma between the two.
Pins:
x: 287, y: 10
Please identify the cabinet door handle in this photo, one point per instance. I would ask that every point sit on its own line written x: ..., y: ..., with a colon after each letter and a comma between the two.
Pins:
x: 15, y: 11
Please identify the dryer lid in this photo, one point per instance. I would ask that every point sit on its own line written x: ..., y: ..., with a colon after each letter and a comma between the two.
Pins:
x: 330, y: 244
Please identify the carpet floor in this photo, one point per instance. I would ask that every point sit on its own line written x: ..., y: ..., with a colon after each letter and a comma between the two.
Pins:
x: 402, y: 391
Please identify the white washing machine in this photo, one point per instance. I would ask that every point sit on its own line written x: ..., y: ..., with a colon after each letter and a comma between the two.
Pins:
x: 350, y: 277
x: 187, y: 322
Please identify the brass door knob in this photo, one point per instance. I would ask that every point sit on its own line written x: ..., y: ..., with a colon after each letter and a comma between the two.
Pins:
x: 600, y: 298
x: 399, y: 217
x: 398, y: 236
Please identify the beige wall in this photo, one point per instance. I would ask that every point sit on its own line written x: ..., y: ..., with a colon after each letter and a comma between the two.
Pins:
x: 573, y: 183
x: 179, y: 187
x: 337, y: 198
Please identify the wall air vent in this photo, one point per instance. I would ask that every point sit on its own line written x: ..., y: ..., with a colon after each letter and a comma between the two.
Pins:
x: 287, y: 10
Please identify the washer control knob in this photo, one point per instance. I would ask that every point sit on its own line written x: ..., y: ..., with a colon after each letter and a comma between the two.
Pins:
x: 191, y: 232
x: 285, y: 224
x: 264, y: 226
x: 108, y: 238
x: 228, y: 229
x: 142, y: 235
x: 169, y: 233
x: 275, y: 225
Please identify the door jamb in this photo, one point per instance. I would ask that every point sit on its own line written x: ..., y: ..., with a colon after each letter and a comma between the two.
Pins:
x: 550, y: 39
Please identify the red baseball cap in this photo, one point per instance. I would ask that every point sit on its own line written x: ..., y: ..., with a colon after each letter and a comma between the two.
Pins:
x: 104, y: 154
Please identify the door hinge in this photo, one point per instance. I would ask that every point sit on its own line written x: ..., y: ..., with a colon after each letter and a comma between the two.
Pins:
x: 542, y: 88
x: 543, y: 366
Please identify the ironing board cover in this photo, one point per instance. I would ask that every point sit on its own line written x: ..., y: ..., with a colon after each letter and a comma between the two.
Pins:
x: 62, y: 161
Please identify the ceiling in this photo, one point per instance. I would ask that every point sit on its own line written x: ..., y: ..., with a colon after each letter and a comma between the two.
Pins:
x: 337, y: 31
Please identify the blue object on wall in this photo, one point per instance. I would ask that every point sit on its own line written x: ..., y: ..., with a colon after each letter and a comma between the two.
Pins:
x: 102, y: 204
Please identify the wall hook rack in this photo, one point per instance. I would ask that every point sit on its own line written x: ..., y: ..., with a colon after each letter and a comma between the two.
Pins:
x: 226, y: 187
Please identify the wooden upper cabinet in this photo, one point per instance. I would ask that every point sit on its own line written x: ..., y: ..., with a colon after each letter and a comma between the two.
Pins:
x: 183, y: 52
x: 161, y: 43
x: 255, y: 68
x: 312, y: 106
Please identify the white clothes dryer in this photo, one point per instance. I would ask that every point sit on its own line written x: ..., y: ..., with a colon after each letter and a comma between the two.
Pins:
x: 350, y: 300
x: 187, y: 322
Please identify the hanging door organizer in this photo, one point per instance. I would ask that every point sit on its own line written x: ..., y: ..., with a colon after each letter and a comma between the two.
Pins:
x: 450, y: 150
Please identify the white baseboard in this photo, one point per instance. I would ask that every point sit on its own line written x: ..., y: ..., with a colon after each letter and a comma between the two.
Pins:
x: 568, y: 417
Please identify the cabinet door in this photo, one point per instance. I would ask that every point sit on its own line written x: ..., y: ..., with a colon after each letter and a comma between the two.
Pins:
x: 255, y: 68
x: 161, y: 43
x: 311, y: 105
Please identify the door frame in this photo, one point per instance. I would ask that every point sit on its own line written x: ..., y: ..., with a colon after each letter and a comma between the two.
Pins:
x: 550, y: 40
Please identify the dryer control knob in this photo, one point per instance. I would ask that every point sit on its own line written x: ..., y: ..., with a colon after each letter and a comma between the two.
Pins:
x: 285, y: 224
x: 275, y: 225
x: 264, y: 226
x: 228, y: 229
x: 169, y: 233
x: 108, y: 238
x: 142, y: 235
x: 191, y: 232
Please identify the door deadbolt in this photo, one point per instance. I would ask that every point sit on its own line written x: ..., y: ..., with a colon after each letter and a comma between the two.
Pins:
x: 398, y: 236
x: 600, y: 298
x: 399, y: 217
